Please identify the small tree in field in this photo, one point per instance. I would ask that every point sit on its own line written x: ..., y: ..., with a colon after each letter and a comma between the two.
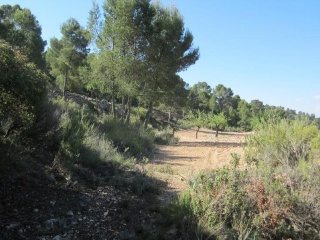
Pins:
x: 195, y: 119
x: 217, y: 121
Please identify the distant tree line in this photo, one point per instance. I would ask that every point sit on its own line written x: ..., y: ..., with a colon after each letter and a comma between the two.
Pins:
x: 240, y: 114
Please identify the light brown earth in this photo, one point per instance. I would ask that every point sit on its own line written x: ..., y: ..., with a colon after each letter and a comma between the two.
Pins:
x: 181, y: 163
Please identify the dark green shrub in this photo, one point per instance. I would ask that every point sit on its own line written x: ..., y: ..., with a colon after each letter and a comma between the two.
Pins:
x: 22, y: 88
x: 166, y: 137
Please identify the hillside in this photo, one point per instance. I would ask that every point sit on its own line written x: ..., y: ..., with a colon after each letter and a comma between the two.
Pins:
x: 44, y: 204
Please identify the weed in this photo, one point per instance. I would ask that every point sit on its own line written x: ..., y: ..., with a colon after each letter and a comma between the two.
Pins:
x: 166, y: 168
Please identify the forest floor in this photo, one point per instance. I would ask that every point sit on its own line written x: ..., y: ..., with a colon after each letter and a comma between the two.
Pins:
x: 45, y: 204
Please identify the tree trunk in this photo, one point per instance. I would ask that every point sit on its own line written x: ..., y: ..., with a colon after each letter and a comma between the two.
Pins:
x: 113, y: 107
x: 123, y: 109
x: 113, y: 84
x: 148, y: 115
x: 197, y: 132
x: 128, y: 110
x: 217, y: 131
x: 65, y: 85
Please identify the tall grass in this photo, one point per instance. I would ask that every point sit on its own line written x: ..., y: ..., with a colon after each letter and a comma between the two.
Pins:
x: 80, y: 130
x: 95, y: 148
x: 128, y: 138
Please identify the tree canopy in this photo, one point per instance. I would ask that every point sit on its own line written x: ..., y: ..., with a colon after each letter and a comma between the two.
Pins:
x: 20, y: 28
x: 67, y: 55
x: 141, y: 48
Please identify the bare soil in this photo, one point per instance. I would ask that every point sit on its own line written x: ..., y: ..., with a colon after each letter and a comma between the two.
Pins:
x: 179, y: 164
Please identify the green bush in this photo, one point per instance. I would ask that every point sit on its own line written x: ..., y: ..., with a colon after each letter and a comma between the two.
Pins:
x: 85, y: 136
x: 22, y: 91
x: 73, y: 128
x: 166, y: 137
x: 22, y: 88
x: 283, y: 141
x: 129, y: 138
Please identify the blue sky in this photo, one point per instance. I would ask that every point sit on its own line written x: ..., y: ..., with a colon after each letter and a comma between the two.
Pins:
x: 266, y: 50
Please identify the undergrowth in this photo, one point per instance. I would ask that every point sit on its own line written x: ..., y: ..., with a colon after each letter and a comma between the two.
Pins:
x: 166, y: 137
x: 274, y: 196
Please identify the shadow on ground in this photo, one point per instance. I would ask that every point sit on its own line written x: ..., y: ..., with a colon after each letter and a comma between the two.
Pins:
x: 109, y: 202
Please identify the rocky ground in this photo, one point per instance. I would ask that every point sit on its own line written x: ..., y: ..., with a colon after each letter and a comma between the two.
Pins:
x: 38, y: 209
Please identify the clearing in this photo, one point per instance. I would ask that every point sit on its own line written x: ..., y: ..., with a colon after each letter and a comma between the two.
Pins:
x: 179, y: 164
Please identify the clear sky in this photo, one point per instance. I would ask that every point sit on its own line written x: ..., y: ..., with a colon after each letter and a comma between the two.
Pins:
x: 266, y: 50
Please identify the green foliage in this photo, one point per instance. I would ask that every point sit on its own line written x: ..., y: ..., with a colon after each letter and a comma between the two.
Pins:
x: 256, y: 107
x: 223, y: 97
x: 85, y: 136
x: 67, y: 55
x: 260, y: 200
x: 74, y: 126
x: 280, y: 141
x: 166, y: 137
x: 130, y: 138
x: 199, y: 96
x: 194, y: 119
x: 142, y: 47
x: 218, y: 121
x: 21, y: 30
x: 244, y: 115
x: 22, y: 87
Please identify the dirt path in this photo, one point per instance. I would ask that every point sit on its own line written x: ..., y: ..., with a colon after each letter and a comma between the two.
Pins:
x: 179, y: 164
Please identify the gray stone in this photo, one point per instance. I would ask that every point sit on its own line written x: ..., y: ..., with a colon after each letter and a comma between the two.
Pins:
x: 58, y: 237
x: 51, y: 224
x: 13, y: 225
x: 51, y: 177
x: 70, y: 214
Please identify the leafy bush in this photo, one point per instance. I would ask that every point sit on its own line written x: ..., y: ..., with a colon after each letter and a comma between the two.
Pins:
x: 283, y: 141
x: 22, y: 88
x: 22, y: 91
x: 166, y: 137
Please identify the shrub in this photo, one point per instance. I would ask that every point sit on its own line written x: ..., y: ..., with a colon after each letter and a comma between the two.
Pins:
x: 166, y: 137
x: 283, y: 142
x: 22, y: 88
x: 129, y: 138
x: 275, y: 197
x: 73, y: 128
